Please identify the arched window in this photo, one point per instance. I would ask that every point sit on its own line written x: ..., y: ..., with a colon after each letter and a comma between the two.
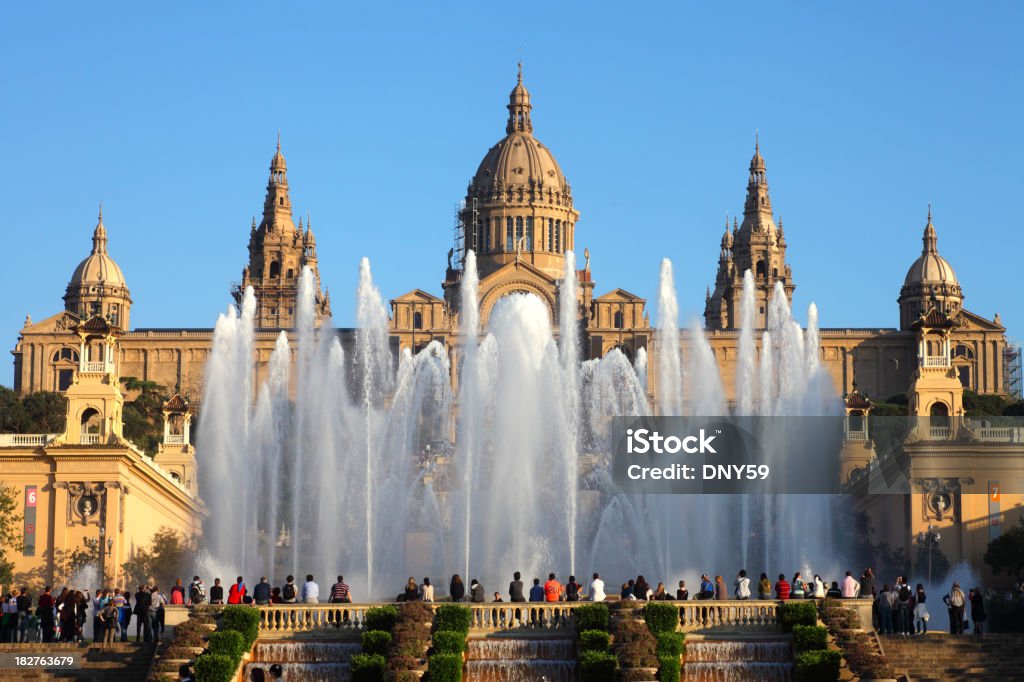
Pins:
x: 856, y: 421
x: 775, y: 272
x: 281, y: 201
x: 417, y: 320
x: 509, y: 246
x: 760, y: 269
x: 519, y: 233
x: 939, y: 414
x: 529, y: 233
x: 618, y: 322
x: 962, y: 351
x: 551, y: 234
x: 291, y: 273
x: 275, y: 270
x: 558, y: 236
x: 91, y: 422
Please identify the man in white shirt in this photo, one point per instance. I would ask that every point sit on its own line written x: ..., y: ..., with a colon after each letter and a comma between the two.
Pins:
x: 597, y: 588
x: 850, y: 587
x: 310, y: 591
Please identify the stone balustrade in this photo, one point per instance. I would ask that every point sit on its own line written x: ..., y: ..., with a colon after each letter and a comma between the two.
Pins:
x: 341, y: 620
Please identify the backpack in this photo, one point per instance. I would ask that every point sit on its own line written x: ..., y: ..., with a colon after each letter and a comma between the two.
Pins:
x: 905, y: 593
x: 289, y: 591
x: 197, y: 594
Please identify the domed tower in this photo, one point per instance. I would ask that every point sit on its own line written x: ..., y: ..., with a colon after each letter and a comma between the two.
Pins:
x: 519, y: 203
x: 277, y: 253
x: 930, y: 283
x: 97, y: 287
x: 758, y: 245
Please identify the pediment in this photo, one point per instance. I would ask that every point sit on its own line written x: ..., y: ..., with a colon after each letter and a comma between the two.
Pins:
x: 61, y: 322
x: 517, y: 271
x: 620, y: 295
x: 968, y: 320
x: 417, y: 296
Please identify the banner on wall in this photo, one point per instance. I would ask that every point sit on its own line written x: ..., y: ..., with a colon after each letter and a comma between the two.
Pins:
x: 31, y: 497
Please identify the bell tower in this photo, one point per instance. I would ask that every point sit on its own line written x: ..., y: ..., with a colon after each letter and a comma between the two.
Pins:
x: 277, y: 253
x: 94, y: 398
x: 935, y: 392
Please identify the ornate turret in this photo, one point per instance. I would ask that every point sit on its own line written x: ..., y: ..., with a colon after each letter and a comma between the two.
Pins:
x: 277, y: 253
x: 756, y: 245
x: 175, y: 453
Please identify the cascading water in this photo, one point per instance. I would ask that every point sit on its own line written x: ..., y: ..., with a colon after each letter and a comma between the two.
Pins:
x: 347, y: 466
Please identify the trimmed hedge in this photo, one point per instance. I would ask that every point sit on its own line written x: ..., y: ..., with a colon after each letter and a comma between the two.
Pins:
x: 668, y: 668
x: 244, y: 619
x: 376, y: 642
x: 594, y: 640
x: 445, y: 668
x: 367, y: 667
x: 817, y: 666
x: 597, y: 666
x: 661, y: 617
x: 453, y: 618
x: 449, y: 642
x: 230, y: 643
x: 591, y: 617
x: 809, y: 638
x: 381, y: 618
x: 799, y: 612
x: 671, y: 644
x: 216, y: 668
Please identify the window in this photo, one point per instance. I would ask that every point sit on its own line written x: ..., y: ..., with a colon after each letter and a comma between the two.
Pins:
x: 760, y: 269
x: 551, y: 234
x: 618, y: 324
x: 275, y: 270
x: 291, y: 273
x: 964, y: 374
x: 508, y: 234
x: 64, y: 378
x: 529, y: 233
x: 91, y: 421
x: 775, y: 272
x: 962, y: 351
x: 281, y: 201
x: 417, y: 320
x: 558, y: 236
x: 95, y: 309
x: 939, y: 414
x: 519, y: 233
x: 115, y: 310
x: 487, y: 239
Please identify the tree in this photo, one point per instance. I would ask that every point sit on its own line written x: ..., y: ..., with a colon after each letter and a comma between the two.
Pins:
x: 40, y: 412
x: 143, y: 417
x: 11, y: 537
x: 1014, y: 409
x: 1006, y: 552
x: 169, y: 557
x: 977, y: 405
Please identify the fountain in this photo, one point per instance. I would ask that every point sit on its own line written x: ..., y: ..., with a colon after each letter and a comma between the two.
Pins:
x: 346, y: 465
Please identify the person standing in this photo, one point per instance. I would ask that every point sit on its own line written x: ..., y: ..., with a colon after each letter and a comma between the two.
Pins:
x: 742, y: 585
x: 98, y: 602
x: 427, y: 591
x: 156, y: 611
x: 457, y: 588
x: 552, y: 589
x: 24, y: 609
x: 851, y: 587
x: 310, y: 591
x: 261, y: 593
x: 920, y: 611
x: 9, y: 622
x: 44, y: 610
x: 956, y: 600
x: 141, y: 611
x: 108, y: 618
x: 905, y: 604
x: 237, y: 592
x: 515, y: 588
x: 886, y: 605
x: 978, y: 615
x: 597, y: 588
x: 867, y: 584
x: 217, y: 592
x: 476, y: 592
x: 340, y: 592
x: 120, y: 601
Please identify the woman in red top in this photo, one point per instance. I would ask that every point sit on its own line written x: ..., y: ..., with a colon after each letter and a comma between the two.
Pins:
x: 237, y: 592
x: 178, y: 593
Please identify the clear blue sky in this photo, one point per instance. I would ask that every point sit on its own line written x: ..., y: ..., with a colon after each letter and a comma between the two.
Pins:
x: 866, y: 112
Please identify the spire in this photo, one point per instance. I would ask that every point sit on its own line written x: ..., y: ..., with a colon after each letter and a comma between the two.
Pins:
x: 930, y: 239
x: 519, y: 108
x: 277, y: 164
x: 99, y: 235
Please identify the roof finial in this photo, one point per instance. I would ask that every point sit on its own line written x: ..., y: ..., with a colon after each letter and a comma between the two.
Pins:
x: 101, y: 211
x: 520, y: 65
x: 309, y: 221
x: 278, y: 139
x: 929, y: 212
x: 757, y: 142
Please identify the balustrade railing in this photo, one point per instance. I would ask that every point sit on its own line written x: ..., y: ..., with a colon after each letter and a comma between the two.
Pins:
x: 13, y: 440
x: 175, y: 439
x: 939, y: 432
x: 90, y: 438
x: 93, y: 367
x: 708, y: 613
x: 935, y: 361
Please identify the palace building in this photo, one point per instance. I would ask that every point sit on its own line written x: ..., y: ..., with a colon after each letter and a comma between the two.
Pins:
x: 520, y: 219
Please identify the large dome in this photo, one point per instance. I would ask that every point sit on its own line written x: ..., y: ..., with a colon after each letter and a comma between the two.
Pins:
x: 930, y: 268
x: 519, y: 159
x: 98, y: 267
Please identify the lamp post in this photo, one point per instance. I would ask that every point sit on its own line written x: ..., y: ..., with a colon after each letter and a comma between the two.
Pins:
x: 103, y: 553
x: 930, y: 539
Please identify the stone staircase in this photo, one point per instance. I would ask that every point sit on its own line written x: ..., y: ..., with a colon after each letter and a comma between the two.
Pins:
x: 122, y: 662
x: 941, y: 656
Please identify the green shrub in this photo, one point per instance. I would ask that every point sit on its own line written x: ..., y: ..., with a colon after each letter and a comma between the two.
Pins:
x: 376, y: 642
x: 367, y: 668
x: 229, y: 643
x: 809, y: 638
x: 670, y: 643
x: 597, y: 666
x: 817, y: 666
x: 244, y: 619
x: 798, y: 612
x: 668, y: 668
x: 381, y: 618
x: 453, y: 618
x: 445, y: 668
x: 449, y: 642
x: 661, y: 617
x: 216, y: 668
x: 591, y: 617
x: 594, y: 640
